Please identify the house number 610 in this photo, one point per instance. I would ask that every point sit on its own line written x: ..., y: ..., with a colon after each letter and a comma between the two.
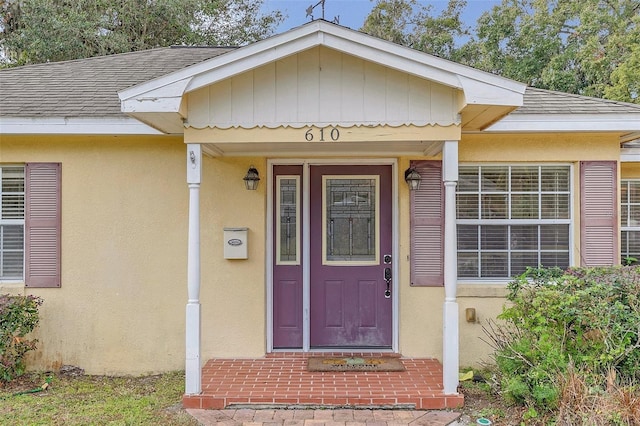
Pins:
x: 334, y: 134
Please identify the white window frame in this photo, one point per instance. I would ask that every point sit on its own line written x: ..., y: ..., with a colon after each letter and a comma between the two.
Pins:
x: 628, y: 228
x: 14, y: 222
x: 508, y: 222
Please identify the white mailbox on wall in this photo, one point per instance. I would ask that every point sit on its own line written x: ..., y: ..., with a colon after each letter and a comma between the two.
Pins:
x: 236, y: 243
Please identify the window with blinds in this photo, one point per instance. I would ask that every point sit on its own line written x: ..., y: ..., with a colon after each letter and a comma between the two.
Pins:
x: 630, y: 220
x: 512, y: 217
x: 12, y: 196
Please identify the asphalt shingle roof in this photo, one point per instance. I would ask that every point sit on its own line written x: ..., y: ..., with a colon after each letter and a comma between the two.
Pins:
x: 540, y: 101
x: 89, y: 87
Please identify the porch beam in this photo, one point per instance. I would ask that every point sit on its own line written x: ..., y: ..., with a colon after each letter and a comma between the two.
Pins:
x: 193, y: 368
x: 451, y: 346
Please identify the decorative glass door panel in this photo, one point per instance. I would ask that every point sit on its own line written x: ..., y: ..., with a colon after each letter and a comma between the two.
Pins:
x: 288, y: 220
x: 350, y: 220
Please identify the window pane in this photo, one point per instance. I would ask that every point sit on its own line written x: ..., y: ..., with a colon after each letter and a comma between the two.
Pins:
x: 524, y: 206
x: 634, y: 192
x: 350, y: 219
x: 520, y: 262
x: 494, y: 265
x: 467, y: 206
x: 12, y: 179
x: 555, y: 179
x: 493, y: 237
x: 467, y: 237
x: 524, y: 179
x: 468, y: 179
x: 288, y: 220
x: 468, y: 265
x: 554, y: 237
x: 494, y: 206
x: 11, y: 251
x: 555, y: 206
x: 495, y: 178
x: 624, y: 215
x: 631, y: 244
x: 524, y: 237
x: 634, y: 215
x: 12, y: 190
x: 559, y: 259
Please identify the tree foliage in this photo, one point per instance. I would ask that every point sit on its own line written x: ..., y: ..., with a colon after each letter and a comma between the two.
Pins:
x: 411, y: 24
x: 53, y: 30
x: 590, y: 47
x: 565, y: 45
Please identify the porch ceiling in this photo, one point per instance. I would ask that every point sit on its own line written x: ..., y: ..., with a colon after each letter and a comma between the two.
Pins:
x: 380, y: 148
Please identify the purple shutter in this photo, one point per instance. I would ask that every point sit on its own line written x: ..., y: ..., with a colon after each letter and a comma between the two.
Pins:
x: 427, y: 226
x: 599, y: 213
x: 42, y: 225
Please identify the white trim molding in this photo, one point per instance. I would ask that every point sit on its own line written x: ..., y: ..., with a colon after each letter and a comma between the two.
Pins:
x: 626, y: 122
x: 122, y: 125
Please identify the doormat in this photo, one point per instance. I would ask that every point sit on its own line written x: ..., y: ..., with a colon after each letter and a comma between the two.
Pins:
x: 355, y: 364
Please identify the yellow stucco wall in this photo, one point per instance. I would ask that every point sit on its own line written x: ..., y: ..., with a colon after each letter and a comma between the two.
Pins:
x: 121, y: 307
x: 630, y: 170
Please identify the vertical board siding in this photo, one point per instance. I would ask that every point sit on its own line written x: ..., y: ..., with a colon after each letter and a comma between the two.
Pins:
x: 322, y: 86
x: 42, y: 224
x: 427, y: 226
x: 599, y: 213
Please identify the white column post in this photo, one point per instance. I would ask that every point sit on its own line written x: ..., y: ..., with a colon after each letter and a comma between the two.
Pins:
x: 193, y: 367
x: 451, y: 347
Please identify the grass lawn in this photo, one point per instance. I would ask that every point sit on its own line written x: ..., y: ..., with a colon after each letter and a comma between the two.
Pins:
x: 90, y: 400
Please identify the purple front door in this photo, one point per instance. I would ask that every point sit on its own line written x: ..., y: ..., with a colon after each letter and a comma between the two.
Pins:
x: 350, y: 288
x: 350, y: 249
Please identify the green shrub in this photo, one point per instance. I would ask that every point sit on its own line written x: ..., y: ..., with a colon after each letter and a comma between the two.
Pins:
x: 589, y: 318
x: 18, y: 317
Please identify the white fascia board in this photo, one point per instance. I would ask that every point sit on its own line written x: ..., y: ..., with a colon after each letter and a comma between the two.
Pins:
x: 630, y: 155
x: 567, y: 123
x: 75, y: 125
x: 167, y: 98
x: 481, y: 93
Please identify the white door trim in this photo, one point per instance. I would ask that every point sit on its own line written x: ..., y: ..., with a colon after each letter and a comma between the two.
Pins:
x: 306, y: 271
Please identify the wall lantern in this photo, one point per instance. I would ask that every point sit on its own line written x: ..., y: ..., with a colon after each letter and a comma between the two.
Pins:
x: 251, y: 179
x: 413, y: 178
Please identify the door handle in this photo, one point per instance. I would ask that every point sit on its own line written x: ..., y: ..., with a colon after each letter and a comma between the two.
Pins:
x: 387, y: 278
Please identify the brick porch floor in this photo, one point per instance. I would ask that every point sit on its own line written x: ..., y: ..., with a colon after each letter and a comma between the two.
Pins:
x: 282, y: 379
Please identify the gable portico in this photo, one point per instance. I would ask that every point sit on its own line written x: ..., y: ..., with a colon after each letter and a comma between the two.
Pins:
x: 324, y: 91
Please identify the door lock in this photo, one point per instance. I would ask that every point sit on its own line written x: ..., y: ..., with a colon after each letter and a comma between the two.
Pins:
x: 387, y: 278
